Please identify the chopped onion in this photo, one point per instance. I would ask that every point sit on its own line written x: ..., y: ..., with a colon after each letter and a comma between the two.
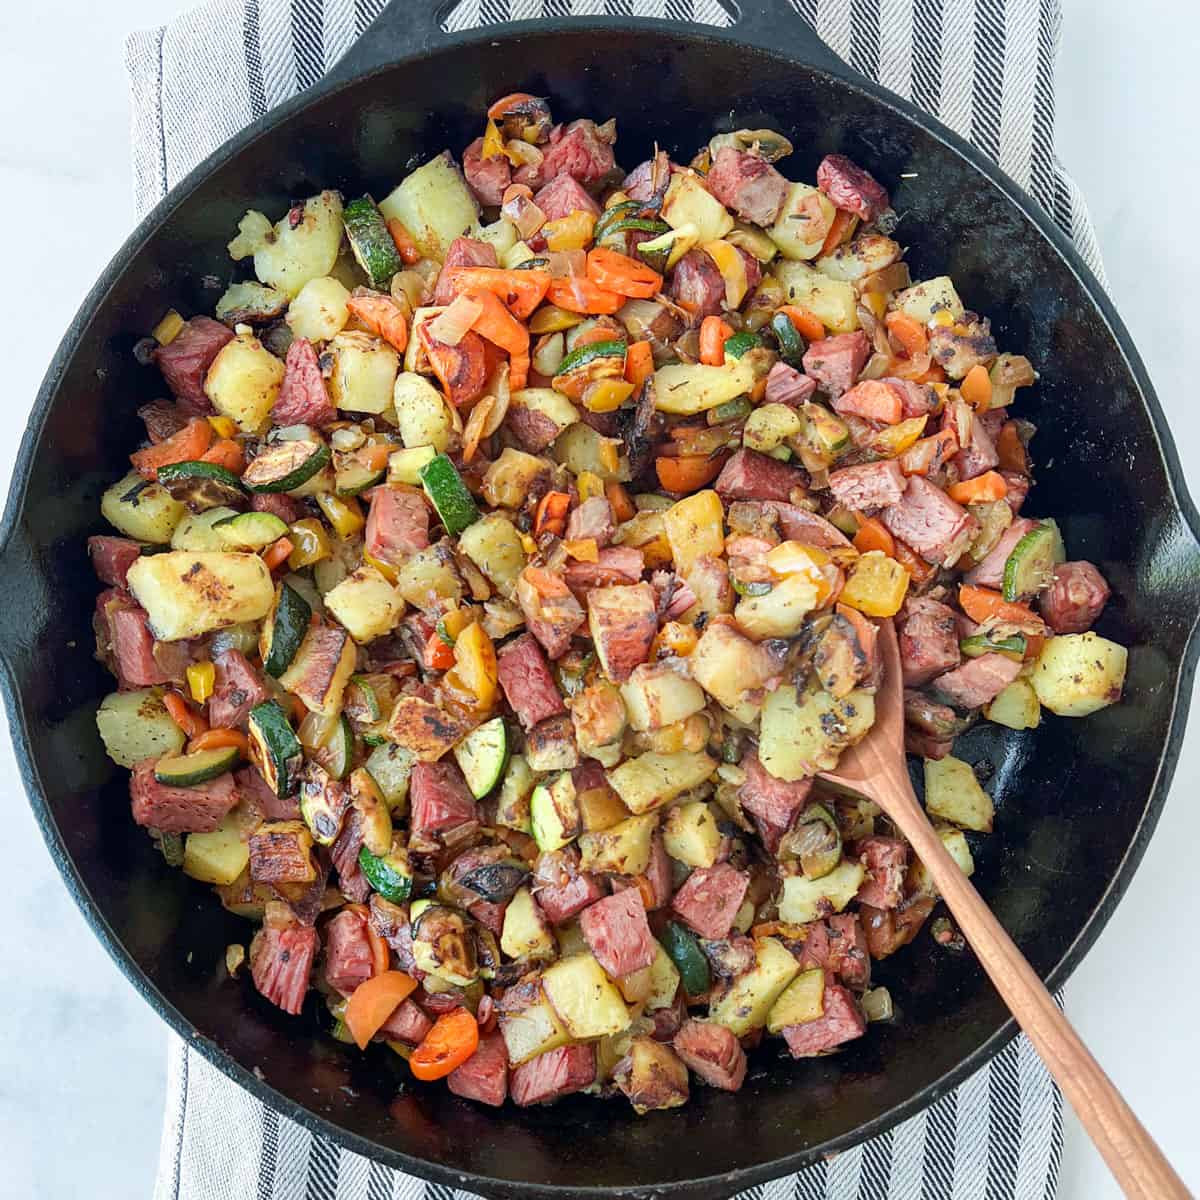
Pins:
x: 964, y: 417
x: 316, y: 730
x: 497, y: 387
x: 567, y: 264
x: 349, y: 438
x: 638, y: 317
x: 522, y: 153
x: 409, y: 290
x: 877, y: 1004
x: 475, y: 426
x: 877, y: 366
x: 452, y: 323
x: 525, y: 215
x: 547, y: 358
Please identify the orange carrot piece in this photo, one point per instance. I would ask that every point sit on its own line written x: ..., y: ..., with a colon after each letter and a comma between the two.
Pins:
x: 373, y: 1002
x: 907, y: 332
x: 381, y: 315
x: 452, y: 1040
x: 1033, y: 646
x: 578, y: 294
x: 188, y: 445
x: 184, y: 715
x: 225, y: 452
x: 374, y: 455
x: 714, y: 333
x: 551, y: 513
x: 873, y: 400
x: 688, y: 472
x: 408, y: 250
x: 217, y: 739
x: 588, y: 337
x: 616, y: 272
x: 981, y: 490
x: 807, y: 324
x: 1011, y: 450
x: 840, y: 230
x: 497, y: 324
x: 521, y: 291
x: 622, y: 506
x: 639, y: 363
x: 873, y: 534
x: 983, y: 604
x: 276, y: 554
x: 518, y: 371
x: 976, y: 388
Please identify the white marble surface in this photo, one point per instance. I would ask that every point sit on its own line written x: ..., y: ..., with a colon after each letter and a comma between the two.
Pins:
x: 81, y: 1055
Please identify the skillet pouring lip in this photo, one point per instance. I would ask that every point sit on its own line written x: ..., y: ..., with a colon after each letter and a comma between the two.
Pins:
x: 12, y: 535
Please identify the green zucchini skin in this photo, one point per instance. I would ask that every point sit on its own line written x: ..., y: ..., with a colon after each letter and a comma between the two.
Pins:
x: 251, y: 530
x: 741, y: 343
x: 445, y: 488
x: 284, y: 632
x: 190, y: 770
x: 482, y: 756
x: 370, y: 241
x: 202, y: 485
x: 274, y: 748
x: 1030, y: 566
x: 389, y: 874
x: 585, y: 355
x: 684, y: 951
x: 286, y: 465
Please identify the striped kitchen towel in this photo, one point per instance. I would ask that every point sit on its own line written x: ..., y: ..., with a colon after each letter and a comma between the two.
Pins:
x: 986, y: 69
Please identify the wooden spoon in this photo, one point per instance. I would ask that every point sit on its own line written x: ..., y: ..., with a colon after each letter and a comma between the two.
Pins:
x: 876, y: 769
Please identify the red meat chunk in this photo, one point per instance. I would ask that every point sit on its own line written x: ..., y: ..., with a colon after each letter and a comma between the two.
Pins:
x: 980, y: 455
x: 835, y: 362
x: 112, y: 557
x: 184, y: 362
x: 842, y: 1021
x: 1075, y: 598
x: 886, y: 861
x: 162, y: 420
x: 287, y: 508
x: 348, y: 958
x: 527, y: 682
x: 773, y: 803
x: 713, y: 1053
x: 397, y: 524
x: 408, y: 1024
x: 577, y: 150
x: 561, y: 888
x: 439, y: 798
x: 553, y: 1074
x: 171, y: 809
x: 1018, y: 489
x: 749, y: 475
x: 352, y: 881
x: 748, y: 185
x: 237, y: 688
x: 869, y: 485
x: 486, y: 177
x: 928, y: 637
x: 592, y: 519
x: 978, y: 681
x: 484, y: 1076
x: 562, y: 196
x: 698, y: 286
x: 926, y: 519
x: 618, y: 934
x: 615, y: 564
x: 850, y: 188
x: 253, y: 790
x: 710, y: 899
x: 464, y: 252
x: 839, y: 945
x: 786, y: 385
x: 132, y: 643
x: 623, y: 621
x: 281, y: 959
x: 641, y: 182
x: 302, y: 398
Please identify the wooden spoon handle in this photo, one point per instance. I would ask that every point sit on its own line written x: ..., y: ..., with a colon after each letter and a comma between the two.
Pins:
x: 1132, y: 1155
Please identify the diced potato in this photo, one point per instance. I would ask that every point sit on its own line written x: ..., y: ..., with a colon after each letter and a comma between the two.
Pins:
x: 254, y: 231
x: 802, y: 734
x: 249, y: 302
x: 580, y: 448
x: 635, y: 986
x: 803, y: 222
x: 293, y: 255
x: 801, y: 1001
x: 831, y: 300
x: 189, y: 593
x: 952, y: 792
x: 405, y: 466
x: 769, y: 426
x: 512, y: 806
x: 435, y: 205
x: 653, y: 1076
x: 366, y: 604
x: 526, y: 932
x: 507, y: 481
x: 744, y: 1007
x: 429, y: 575
x: 546, y: 402
x: 494, y: 546
x: 688, y: 202
x: 924, y: 300
x: 862, y: 257
x: 136, y: 725
x: 920, y: 882
x: 321, y: 669
x: 216, y: 857
x: 691, y: 836
x: 1016, y: 707
x: 779, y: 613
x: 600, y: 808
x: 319, y: 310
x: 533, y: 1029
x: 553, y: 811
x: 146, y: 512
x: 584, y: 997
x: 623, y: 849
x: 421, y: 413
x: 709, y: 579
x: 664, y: 980
x: 515, y: 255
x: 364, y: 373
x: 810, y: 899
x: 197, y: 531
x: 719, y: 664
x: 657, y: 695
x: 684, y: 389
x: 877, y: 585
x: 1079, y: 673
x: 695, y: 526
x: 652, y: 780
x: 243, y: 381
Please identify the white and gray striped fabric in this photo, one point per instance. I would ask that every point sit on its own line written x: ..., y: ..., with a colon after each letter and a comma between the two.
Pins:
x: 986, y: 69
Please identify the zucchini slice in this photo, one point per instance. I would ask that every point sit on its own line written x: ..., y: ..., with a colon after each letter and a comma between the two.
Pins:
x: 370, y: 241
x: 390, y: 874
x: 742, y: 343
x: 482, y: 756
x: 978, y: 644
x: 202, y: 485
x: 286, y: 465
x: 375, y: 818
x: 354, y: 478
x: 618, y: 212
x: 188, y: 770
x: 684, y: 951
x: 445, y: 488
x: 791, y: 344
x: 284, y: 630
x: 586, y: 355
x: 661, y: 253
x: 250, y: 530
x: 1030, y: 566
x: 338, y: 753
x: 274, y: 749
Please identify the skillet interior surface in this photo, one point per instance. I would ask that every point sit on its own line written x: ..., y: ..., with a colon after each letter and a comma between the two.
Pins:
x: 1076, y: 800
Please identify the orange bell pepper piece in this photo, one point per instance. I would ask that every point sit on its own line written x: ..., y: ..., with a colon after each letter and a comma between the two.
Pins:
x: 908, y: 333
x: 217, y: 739
x: 976, y: 388
x: 929, y: 453
x: 225, y: 452
x: 983, y: 604
x: 714, y: 333
x: 184, y: 715
x: 578, y: 294
x: 276, y: 554
x: 982, y: 489
x: 373, y: 1001
x: 918, y: 569
x: 497, y: 324
x: 622, y: 506
x: 873, y: 400
x: 639, y: 363
x: 688, y: 472
x: 873, y: 534
x: 616, y: 272
x: 188, y: 445
x: 808, y: 325
x: 452, y: 1040
x: 551, y: 513
x: 840, y: 230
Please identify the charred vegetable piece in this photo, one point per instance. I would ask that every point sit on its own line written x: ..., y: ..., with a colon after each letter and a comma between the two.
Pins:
x: 742, y: 343
x: 389, y: 874
x: 445, y: 488
x: 284, y: 630
x: 188, y: 770
x: 202, y: 485
x: 354, y: 478
x: 286, y: 465
x: 274, y: 749
x: 250, y: 530
x: 791, y: 344
x: 443, y: 947
x: 482, y: 756
x: 372, y: 245
x: 684, y: 951
x: 813, y: 841
x: 1030, y: 566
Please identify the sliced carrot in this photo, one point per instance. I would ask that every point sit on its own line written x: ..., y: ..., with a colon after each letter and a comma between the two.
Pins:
x: 918, y: 569
x: 622, y: 506
x: 840, y: 230
x: 551, y: 513
x: 462, y: 369
x: 873, y: 400
x: 225, y: 452
x: 981, y: 490
x: 518, y: 371
x: 578, y: 294
x: 1011, y: 450
x: 639, y: 363
x: 497, y: 324
x: 714, y: 333
x: 373, y: 1001
x: 382, y: 315
x: 907, y: 332
x: 983, y: 604
x: 277, y: 552
x: 408, y: 250
x: 188, y: 445
x: 521, y: 291
x: 807, y: 324
x: 217, y: 739
x: 976, y: 388
x: 184, y: 715
x: 873, y: 534
x: 452, y: 1040
x: 687, y: 473
x: 616, y: 272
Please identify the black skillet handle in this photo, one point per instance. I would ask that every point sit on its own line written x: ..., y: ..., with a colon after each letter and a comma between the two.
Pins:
x: 410, y: 28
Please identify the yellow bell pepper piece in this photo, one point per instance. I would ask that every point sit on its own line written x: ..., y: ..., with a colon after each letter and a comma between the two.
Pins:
x: 455, y: 621
x: 201, y: 677
x: 493, y: 142
x: 733, y: 270
x: 310, y: 543
x: 475, y: 665
x: 941, y: 317
x: 695, y: 526
x: 877, y: 585
x: 791, y: 558
x: 167, y: 330
x: 223, y: 426
x: 342, y: 512
x: 385, y: 569
x: 572, y: 232
x: 528, y: 545
x: 895, y: 439
x: 606, y: 395
x: 589, y: 484
x: 552, y: 319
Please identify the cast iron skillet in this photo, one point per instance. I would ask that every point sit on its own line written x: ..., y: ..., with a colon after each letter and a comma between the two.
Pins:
x: 1077, y: 800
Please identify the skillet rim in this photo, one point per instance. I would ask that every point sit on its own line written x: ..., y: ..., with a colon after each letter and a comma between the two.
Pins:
x: 746, y: 37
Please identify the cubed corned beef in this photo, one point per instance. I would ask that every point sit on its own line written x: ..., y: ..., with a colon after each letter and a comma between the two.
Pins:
x: 887, y: 929
x: 614, y: 564
x: 185, y: 360
x: 916, y: 399
x: 486, y: 177
x: 928, y: 637
x: 397, y: 524
x: 348, y: 958
x: 112, y: 557
x: 772, y: 802
x: 748, y: 185
x: 803, y: 526
x: 641, y: 182
x: 658, y: 872
x: 281, y: 959
x: 528, y: 685
x: 835, y: 362
x: 303, y: 398
x: 618, y: 934
x: 842, y: 1021
x: 697, y: 285
x: 162, y: 806
x: 562, y: 196
x: 464, y: 252
x: 978, y: 681
x: 710, y: 898
x: 553, y: 1074
x: 749, y: 475
x: 287, y: 508
x: 979, y: 456
x: 786, y: 385
x: 344, y: 853
x: 592, y: 519
x: 713, y: 1053
x: 1018, y: 489
x: 851, y: 188
x: 162, y: 419
x: 932, y: 524
x: 868, y: 485
x: 484, y: 1076
x: 253, y: 789
x: 990, y: 571
x: 408, y: 1024
x: 886, y: 861
x: 237, y: 688
x: 623, y: 620
x: 577, y: 150
x: 561, y: 888
x: 439, y: 798
x: 839, y: 945
x: 133, y: 645
x: 1075, y: 598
